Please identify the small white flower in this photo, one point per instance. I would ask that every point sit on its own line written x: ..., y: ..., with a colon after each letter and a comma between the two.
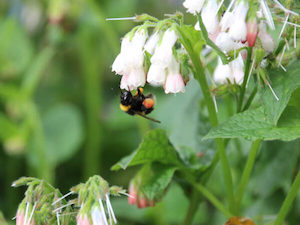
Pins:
x: 225, y: 42
x: 156, y: 74
x: 237, y: 67
x: 226, y: 21
x: 222, y: 73
x: 209, y: 16
x: 152, y: 42
x: 238, y: 27
x: 97, y: 217
x: 163, y: 53
x: 174, y: 82
x: 136, y: 78
x: 119, y: 66
x: 267, y: 41
x: 124, y: 82
x: 135, y: 56
x: 193, y: 6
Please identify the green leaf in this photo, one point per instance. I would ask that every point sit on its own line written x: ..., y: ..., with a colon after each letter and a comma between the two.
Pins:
x: 284, y: 85
x: 254, y: 124
x: 155, y: 148
x: 193, y: 36
x: 8, y: 128
x: 63, y: 132
x: 160, y: 178
x: 275, y: 167
x: 15, y: 48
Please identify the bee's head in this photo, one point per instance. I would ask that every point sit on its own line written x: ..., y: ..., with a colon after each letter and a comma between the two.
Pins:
x: 126, y: 98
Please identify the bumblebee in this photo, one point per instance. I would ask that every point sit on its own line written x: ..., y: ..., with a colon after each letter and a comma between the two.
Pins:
x: 137, y: 104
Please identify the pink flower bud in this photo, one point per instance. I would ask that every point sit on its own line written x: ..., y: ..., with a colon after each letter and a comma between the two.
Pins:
x: 132, y: 198
x: 266, y: 39
x: 83, y: 220
x: 141, y: 202
x: 251, y: 32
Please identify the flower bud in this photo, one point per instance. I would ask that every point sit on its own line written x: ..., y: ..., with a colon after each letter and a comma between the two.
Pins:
x: 266, y: 39
x: 251, y: 32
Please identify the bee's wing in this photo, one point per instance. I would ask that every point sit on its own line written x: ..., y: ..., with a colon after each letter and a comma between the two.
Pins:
x: 146, y: 117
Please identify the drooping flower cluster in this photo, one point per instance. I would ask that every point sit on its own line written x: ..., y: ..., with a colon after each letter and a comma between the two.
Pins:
x: 238, y: 26
x: 164, y: 68
x: 94, y: 202
x: 43, y: 204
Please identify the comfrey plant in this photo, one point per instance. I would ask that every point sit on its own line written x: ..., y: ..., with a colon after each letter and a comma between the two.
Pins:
x: 43, y: 204
x: 254, y: 46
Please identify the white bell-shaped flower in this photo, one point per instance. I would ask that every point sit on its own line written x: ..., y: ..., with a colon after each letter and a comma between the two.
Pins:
x: 97, y: 217
x: 152, y: 43
x: 137, y: 78
x: 222, y: 73
x: 156, y: 74
x: 225, y: 42
x: 163, y: 53
x: 124, y: 82
x: 209, y: 16
x: 193, y: 6
x: 120, y: 65
x: 237, y: 67
x: 238, y: 28
x: 174, y: 82
x: 226, y: 21
x: 135, y: 57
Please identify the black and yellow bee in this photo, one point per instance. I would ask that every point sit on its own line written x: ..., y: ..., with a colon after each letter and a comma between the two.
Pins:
x: 137, y: 104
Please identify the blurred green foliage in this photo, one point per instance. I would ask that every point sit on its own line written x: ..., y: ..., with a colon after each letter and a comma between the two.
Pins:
x: 60, y: 117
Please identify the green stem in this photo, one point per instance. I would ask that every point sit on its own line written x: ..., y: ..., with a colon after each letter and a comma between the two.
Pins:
x: 200, y: 77
x: 207, y: 194
x: 43, y: 168
x: 244, y: 84
x: 194, y: 204
x: 250, y: 99
x: 91, y: 74
x: 288, y: 201
x: 247, y: 171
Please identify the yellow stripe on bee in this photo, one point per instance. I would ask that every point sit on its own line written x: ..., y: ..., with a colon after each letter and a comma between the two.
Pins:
x: 125, y: 108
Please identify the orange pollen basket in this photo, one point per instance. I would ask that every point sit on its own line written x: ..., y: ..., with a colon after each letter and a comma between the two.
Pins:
x: 148, y: 103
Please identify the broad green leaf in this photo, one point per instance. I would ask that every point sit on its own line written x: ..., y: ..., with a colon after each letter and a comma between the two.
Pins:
x: 275, y: 167
x: 194, y: 37
x: 63, y: 132
x: 185, y: 119
x: 254, y: 124
x: 284, y: 84
x: 154, y: 148
x: 8, y: 128
x: 160, y: 178
x: 15, y: 48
